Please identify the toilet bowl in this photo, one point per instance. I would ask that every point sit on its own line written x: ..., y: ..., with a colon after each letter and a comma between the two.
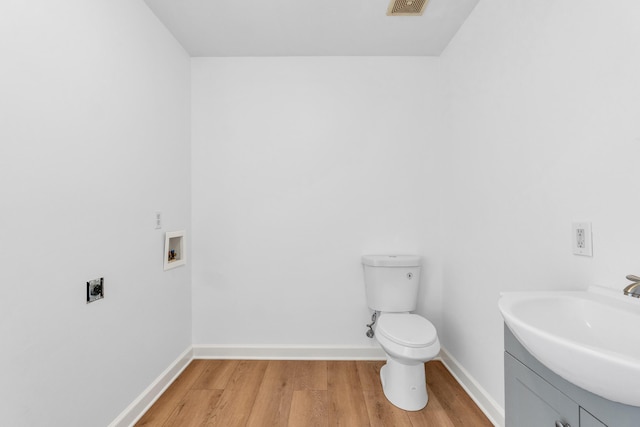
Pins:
x: 392, y: 285
x: 408, y: 340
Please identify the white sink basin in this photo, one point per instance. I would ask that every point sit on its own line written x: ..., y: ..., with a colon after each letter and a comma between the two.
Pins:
x: 590, y: 338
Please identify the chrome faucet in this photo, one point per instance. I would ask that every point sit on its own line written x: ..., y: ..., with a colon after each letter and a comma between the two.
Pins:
x: 633, y: 289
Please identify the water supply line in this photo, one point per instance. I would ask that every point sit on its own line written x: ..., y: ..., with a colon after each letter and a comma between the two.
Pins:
x: 374, y: 317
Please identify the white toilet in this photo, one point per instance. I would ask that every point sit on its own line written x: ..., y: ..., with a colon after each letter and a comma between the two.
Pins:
x: 409, y: 340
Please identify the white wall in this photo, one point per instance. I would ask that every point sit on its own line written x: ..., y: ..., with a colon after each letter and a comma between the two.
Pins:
x: 94, y: 139
x: 543, y: 101
x: 299, y: 166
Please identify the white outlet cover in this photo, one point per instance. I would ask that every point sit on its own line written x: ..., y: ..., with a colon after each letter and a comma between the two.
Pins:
x: 582, y: 239
x: 158, y: 220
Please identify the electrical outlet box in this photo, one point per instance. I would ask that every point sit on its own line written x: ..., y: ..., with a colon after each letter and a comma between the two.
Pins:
x: 582, y: 241
x: 95, y: 290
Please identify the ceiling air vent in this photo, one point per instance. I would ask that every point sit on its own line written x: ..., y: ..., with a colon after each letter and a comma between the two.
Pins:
x: 406, y: 7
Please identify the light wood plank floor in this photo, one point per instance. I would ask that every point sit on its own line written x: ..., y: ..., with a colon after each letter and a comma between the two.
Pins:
x: 228, y: 393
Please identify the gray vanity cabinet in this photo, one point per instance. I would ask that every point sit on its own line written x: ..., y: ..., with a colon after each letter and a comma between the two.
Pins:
x: 537, y: 397
x: 533, y: 402
x: 588, y: 420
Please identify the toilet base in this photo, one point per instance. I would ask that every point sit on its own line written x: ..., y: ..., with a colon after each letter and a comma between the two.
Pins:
x: 404, y: 385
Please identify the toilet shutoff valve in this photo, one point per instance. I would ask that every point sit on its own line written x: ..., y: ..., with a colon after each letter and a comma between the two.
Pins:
x: 370, y: 332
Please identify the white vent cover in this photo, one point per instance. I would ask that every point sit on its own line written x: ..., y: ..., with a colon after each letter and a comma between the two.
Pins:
x: 406, y: 7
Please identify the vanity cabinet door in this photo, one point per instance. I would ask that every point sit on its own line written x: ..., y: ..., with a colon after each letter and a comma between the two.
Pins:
x: 530, y: 401
x: 588, y: 420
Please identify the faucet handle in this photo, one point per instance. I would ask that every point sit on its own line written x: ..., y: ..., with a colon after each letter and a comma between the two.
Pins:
x: 633, y: 278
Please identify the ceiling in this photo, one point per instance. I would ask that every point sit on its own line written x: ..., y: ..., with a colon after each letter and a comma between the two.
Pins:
x: 309, y: 27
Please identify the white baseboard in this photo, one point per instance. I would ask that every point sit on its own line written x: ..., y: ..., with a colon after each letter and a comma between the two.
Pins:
x: 485, y: 402
x: 272, y: 352
x: 142, y: 403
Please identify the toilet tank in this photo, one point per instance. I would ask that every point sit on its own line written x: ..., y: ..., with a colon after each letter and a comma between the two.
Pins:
x: 391, y: 281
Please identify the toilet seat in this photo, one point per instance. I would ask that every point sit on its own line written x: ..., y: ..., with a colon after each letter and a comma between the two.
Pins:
x: 410, y: 330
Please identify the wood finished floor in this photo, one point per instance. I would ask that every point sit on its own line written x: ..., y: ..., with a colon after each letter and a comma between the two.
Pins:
x: 229, y: 393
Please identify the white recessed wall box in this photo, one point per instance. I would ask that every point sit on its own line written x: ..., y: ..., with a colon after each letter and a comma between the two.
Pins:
x: 175, y: 254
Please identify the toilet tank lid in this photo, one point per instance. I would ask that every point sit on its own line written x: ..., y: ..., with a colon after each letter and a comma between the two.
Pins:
x: 391, y: 260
